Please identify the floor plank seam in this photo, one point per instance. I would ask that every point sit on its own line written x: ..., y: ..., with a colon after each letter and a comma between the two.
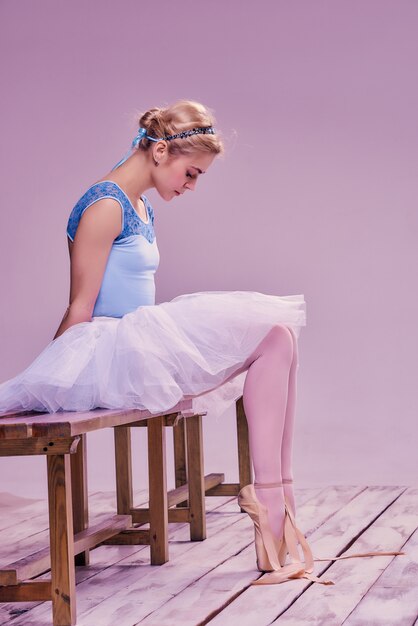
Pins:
x: 171, y: 561
x: 203, y: 575
x: 380, y: 576
x: 373, y: 520
x: 141, y: 548
x: 326, y: 519
x: 216, y: 612
x: 203, y: 595
x: 229, y: 600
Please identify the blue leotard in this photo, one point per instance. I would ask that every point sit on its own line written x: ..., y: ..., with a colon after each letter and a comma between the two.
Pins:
x: 128, y: 280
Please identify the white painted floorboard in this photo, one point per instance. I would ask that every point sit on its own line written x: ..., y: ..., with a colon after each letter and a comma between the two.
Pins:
x: 208, y: 582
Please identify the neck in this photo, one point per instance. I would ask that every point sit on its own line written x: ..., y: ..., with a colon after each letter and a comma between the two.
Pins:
x: 134, y: 175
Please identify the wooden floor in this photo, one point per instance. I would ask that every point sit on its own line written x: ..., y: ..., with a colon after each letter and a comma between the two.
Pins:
x: 209, y: 581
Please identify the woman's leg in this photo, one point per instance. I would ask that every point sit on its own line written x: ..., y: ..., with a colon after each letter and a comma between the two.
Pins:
x: 287, y: 442
x: 265, y: 397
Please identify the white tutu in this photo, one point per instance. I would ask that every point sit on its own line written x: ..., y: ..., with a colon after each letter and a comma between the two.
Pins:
x: 155, y: 356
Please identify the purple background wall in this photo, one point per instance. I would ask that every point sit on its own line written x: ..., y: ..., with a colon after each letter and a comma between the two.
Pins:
x: 317, y: 194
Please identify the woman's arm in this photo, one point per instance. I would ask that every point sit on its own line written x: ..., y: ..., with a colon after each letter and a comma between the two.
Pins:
x: 99, y: 226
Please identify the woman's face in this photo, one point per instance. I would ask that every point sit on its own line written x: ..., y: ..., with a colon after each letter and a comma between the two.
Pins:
x: 178, y: 174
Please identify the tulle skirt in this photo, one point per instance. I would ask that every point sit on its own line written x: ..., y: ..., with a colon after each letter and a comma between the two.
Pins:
x: 194, y: 345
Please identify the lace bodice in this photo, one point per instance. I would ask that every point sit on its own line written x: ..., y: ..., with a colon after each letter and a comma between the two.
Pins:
x: 132, y: 224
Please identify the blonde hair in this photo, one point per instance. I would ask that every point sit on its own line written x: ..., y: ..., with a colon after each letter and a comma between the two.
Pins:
x: 175, y: 118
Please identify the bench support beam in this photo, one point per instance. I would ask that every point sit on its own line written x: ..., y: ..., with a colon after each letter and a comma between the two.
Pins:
x: 80, y: 495
x: 61, y: 540
x: 158, y: 504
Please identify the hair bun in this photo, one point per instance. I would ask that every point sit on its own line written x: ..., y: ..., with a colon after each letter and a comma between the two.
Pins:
x: 178, y: 118
x: 156, y: 114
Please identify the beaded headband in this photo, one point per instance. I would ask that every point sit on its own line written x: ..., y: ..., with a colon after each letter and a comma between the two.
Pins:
x: 142, y: 132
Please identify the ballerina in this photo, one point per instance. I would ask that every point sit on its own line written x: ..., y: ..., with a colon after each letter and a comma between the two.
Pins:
x: 116, y: 348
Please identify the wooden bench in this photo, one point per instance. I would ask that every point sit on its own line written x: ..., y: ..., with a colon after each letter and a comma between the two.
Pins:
x: 192, y: 485
x: 61, y: 437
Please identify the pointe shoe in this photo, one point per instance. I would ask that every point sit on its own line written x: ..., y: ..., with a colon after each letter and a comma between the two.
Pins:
x: 285, y: 551
x: 296, y: 536
x: 267, y: 546
x: 288, y: 481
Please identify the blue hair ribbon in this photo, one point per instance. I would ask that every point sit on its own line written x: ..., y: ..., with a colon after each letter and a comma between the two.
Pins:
x: 142, y: 132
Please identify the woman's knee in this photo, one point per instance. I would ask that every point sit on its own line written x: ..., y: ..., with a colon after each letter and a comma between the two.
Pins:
x: 280, y: 338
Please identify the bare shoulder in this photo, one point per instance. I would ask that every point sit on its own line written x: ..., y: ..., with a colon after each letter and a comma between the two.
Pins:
x: 103, y: 217
x: 99, y: 224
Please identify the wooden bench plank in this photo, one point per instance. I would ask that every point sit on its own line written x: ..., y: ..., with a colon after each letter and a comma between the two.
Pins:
x: 31, y: 533
x: 13, y: 429
x: 85, y: 422
x: 27, y: 567
x: 71, y: 423
x: 175, y: 496
x: 40, y: 590
x: 40, y: 445
x: 94, y: 535
x: 39, y: 562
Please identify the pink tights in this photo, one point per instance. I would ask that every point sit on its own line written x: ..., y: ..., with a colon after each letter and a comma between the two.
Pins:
x: 269, y: 398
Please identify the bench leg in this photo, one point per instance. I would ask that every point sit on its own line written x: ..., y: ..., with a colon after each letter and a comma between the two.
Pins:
x: 244, y: 457
x: 123, y: 458
x: 61, y: 540
x: 180, y: 471
x: 196, y: 479
x: 158, y: 501
x: 80, y: 495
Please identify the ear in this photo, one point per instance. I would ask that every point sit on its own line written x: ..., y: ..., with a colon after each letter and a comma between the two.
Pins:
x: 159, y: 150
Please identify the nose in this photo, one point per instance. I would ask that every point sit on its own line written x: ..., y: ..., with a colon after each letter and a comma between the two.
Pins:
x: 190, y: 185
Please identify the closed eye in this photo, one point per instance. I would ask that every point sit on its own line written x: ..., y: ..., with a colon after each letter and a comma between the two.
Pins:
x: 190, y: 175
